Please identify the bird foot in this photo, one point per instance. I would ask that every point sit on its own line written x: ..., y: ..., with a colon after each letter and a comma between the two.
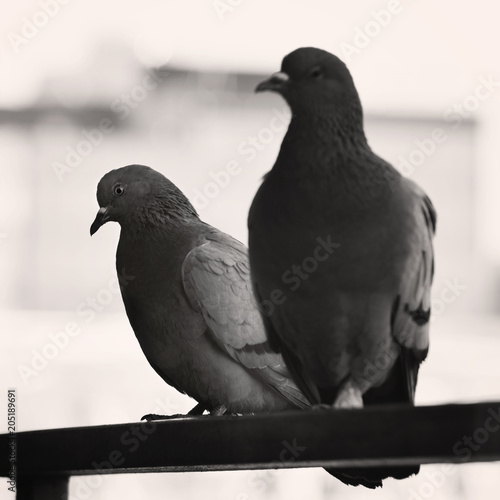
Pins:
x: 218, y: 411
x: 153, y: 416
x: 349, y: 396
x: 320, y: 407
x: 195, y: 412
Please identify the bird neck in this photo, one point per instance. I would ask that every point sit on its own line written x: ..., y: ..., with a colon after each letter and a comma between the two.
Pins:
x: 148, y: 228
x: 141, y: 246
x: 338, y: 128
x: 323, y: 138
x: 329, y: 152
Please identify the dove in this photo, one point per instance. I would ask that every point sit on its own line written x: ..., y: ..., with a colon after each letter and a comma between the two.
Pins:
x: 340, y: 246
x: 189, y: 298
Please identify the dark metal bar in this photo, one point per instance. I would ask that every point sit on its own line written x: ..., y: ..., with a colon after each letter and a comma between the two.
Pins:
x: 42, y: 488
x: 389, y: 435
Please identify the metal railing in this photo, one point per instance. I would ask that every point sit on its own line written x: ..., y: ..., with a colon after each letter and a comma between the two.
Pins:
x: 374, y: 436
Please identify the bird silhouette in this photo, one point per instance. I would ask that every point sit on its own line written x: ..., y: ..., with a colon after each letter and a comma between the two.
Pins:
x: 190, y: 302
x: 345, y: 242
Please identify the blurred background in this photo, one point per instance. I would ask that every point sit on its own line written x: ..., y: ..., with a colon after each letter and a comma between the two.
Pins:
x: 87, y: 87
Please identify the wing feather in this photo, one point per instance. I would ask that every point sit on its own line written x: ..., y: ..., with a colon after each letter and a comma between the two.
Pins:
x: 216, y: 278
x: 413, y: 307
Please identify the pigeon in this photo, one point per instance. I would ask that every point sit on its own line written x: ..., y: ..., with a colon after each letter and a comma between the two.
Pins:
x: 340, y: 246
x: 189, y: 298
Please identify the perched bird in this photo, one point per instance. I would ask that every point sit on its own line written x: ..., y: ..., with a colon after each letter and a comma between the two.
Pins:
x: 341, y: 244
x: 190, y: 302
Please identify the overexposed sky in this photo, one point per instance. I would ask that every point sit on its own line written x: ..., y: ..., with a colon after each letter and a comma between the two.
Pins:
x: 415, y: 52
x: 408, y: 57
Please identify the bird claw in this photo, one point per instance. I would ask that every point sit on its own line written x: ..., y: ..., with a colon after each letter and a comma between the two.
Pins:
x: 349, y: 396
x: 153, y: 416
x: 320, y: 407
x: 218, y: 411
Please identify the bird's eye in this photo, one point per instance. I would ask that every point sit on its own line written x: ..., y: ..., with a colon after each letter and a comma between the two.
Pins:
x: 316, y: 72
x: 118, y: 190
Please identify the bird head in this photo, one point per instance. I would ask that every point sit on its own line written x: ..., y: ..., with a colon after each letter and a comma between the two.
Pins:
x: 139, y: 194
x: 313, y: 80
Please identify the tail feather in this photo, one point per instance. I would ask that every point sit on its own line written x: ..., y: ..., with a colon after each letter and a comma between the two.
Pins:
x: 395, y: 390
x: 371, y: 477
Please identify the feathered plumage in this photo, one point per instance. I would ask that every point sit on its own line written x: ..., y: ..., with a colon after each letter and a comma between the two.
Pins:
x: 191, y: 303
x: 354, y: 324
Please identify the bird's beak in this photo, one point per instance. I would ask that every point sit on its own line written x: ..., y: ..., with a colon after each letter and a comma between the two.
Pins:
x: 101, y: 218
x: 275, y: 82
